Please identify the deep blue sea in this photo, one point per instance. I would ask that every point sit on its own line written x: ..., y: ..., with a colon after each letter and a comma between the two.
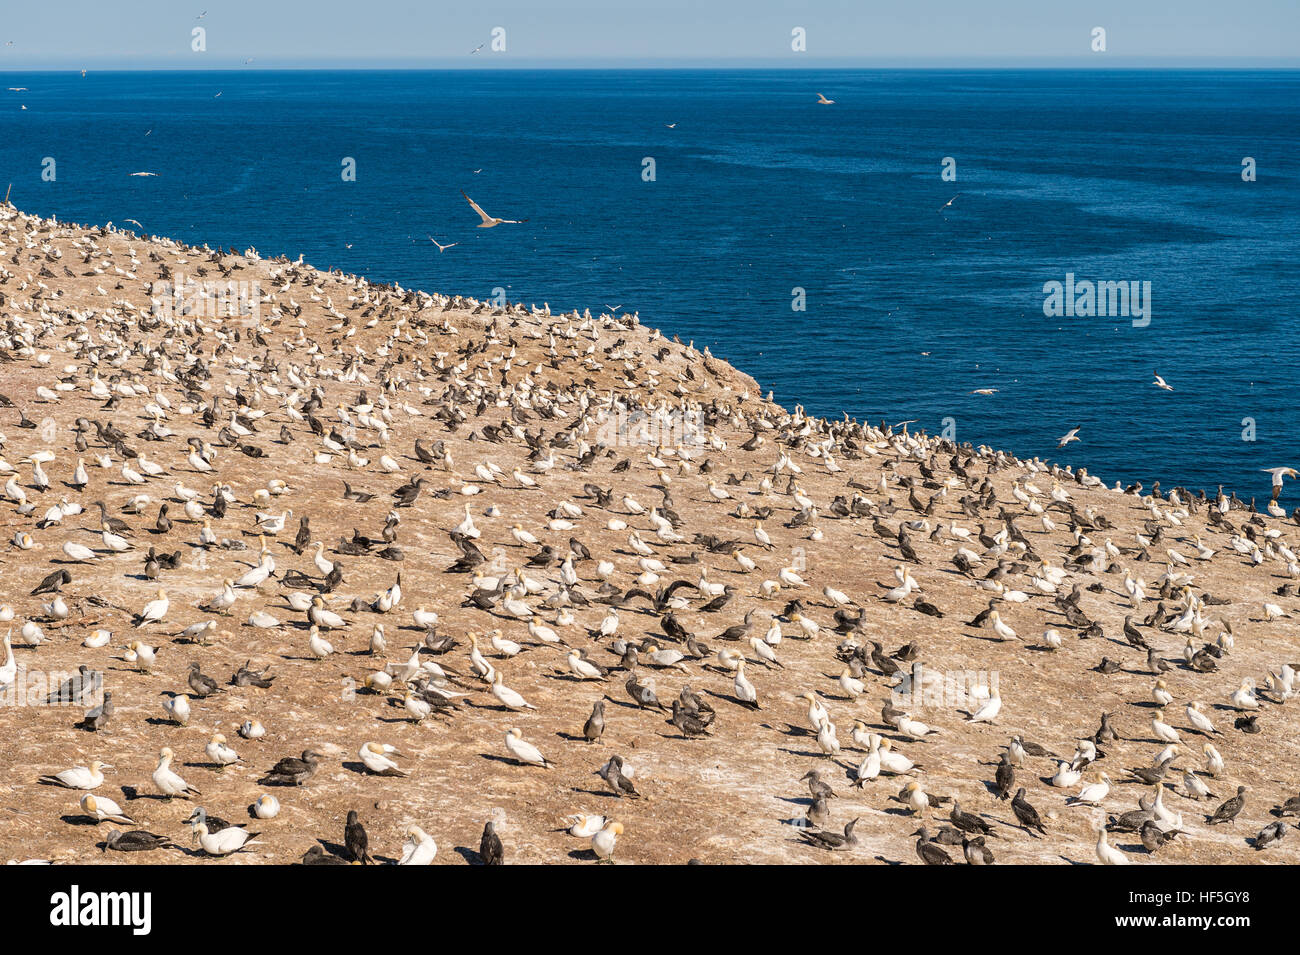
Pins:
x: 1111, y: 176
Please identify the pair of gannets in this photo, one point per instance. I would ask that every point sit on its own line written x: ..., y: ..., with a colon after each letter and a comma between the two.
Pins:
x: 222, y: 843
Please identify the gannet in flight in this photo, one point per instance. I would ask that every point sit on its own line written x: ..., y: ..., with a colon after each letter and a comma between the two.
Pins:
x: 949, y: 202
x: 488, y: 221
x: 142, y: 174
x: 444, y: 248
x: 1161, y: 383
x: 1278, y: 474
x: 1071, y: 435
x: 823, y: 100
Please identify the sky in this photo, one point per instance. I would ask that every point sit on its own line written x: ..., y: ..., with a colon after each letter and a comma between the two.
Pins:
x: 157, y: 34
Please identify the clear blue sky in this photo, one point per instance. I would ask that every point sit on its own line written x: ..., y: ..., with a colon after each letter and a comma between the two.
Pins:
x: 74, y: 34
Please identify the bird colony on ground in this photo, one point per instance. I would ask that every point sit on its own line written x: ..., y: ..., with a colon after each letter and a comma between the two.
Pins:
x: 385, y: 576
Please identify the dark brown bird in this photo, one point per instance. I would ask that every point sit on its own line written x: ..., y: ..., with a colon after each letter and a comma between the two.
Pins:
x: 1026, y: 813
x: 201, y: 684
x: 1005, y: 776
x: 355, y: 838
x: 831, y: 841
x: 316, y: 856
x: 292, y: 770
x: 928, y: 852
x: 1229, y: 810
x: 490, y: 849
x: 594, y: 728
x: 138, y: 840
x: 612, y: 773
x: 1153, y: 837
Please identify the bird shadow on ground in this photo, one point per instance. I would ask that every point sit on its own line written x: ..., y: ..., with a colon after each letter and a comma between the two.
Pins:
x: 79, y: 820
x: 494, y: 758
x: 598, y: 793
x: 334, y: 849
x: 797, y: 800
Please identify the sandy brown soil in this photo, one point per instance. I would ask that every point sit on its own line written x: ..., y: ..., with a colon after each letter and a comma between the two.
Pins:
x: 729, y: 797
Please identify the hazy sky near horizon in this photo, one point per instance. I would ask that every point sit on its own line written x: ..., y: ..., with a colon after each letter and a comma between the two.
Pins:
x: 157, y: 33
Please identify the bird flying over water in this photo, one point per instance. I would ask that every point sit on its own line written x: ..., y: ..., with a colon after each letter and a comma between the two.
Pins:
x: 488, y: 221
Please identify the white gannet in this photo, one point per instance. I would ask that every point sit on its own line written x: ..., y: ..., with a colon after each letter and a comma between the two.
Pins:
x: 1071, y: 435
x: 375, y: 757
x: 219, y: 753
x: 1107, y: 853
x: 223, y: 843
x: 169, y: 783
x: 419, y: 847
x: 101, y: 808
x: 155, y: 610
x: 604, y: 841
x: 1092, y: 794
x: 523, y: 750
x: 266, y: 806
x: 509, y: 698
x: 81, y: 777
x: 177, y: 708
x: 489, y: 221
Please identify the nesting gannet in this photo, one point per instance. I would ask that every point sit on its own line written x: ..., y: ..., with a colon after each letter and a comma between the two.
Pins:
x: 223, y: 843
x: 80, y: 777
x: 419, y: 847
x: 508, y: 697
x: 218, y: 753
x: 1092, y: 794
x: 524, y: 751
x: 266, y: 806
x: 102, y: 808
x: 375, y: 757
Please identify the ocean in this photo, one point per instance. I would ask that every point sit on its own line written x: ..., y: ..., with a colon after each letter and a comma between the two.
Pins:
x: 808, y: 244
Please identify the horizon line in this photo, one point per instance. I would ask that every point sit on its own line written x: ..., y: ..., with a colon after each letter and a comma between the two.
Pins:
x: 1080, y: 63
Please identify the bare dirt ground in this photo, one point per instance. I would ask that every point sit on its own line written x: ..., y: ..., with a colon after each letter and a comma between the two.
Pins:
x: 734, y: 796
